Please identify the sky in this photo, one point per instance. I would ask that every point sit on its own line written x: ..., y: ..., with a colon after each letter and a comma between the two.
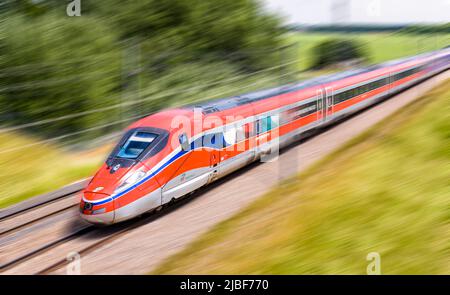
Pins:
x: 362, y: 11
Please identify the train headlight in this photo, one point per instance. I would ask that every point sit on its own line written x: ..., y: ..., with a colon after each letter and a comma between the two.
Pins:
x: 130, y: 180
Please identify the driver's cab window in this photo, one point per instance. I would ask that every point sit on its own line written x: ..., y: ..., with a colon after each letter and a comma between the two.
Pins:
x: 136, y: 144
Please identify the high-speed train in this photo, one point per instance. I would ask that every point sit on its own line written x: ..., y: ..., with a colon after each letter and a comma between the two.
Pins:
x: 174, y: 152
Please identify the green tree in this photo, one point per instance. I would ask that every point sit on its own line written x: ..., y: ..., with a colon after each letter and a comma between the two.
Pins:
x: 333, y: 51
x: 55, y: 66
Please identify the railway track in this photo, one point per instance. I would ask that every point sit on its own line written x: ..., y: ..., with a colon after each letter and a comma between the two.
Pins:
x: 95, y: 237
x: 20, y: 224
x: 15, y: 223
x: 38, y: 231
x: 35, y: 238
x: 118, y: 230
x: 40, y: 208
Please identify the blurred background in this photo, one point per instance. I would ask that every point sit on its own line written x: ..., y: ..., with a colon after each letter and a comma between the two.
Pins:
x: 70, y: 84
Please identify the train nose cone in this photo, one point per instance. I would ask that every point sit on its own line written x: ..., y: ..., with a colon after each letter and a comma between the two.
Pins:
x: 99, y: 219
x: 97, y: 208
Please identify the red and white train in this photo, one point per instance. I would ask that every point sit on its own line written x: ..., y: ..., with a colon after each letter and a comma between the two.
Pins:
x: 176, y: 151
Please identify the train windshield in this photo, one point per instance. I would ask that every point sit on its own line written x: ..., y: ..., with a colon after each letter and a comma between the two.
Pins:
x: 136, y: 144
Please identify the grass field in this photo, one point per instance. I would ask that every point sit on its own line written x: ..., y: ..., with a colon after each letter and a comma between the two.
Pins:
x: 40, y: 168
x: 388, y: 191
x: 379, y: 47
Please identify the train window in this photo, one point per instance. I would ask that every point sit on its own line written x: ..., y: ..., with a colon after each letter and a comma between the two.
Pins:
x: 294, y: 114
x: 363, y: 89
x: 366, y: 88
x: 405, y: 74
x: 337, y: 97
x: 264, y: 125
x: 346, y: 95
x: 136, y: 144
x: 342, y: 96
x: 274, y: 122
x: 261, y: 126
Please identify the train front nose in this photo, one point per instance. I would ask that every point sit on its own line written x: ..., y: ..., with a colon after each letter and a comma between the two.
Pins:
x: 97, y: 208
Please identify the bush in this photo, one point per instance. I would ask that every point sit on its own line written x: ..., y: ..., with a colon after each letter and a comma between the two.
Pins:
x: 333, y: 51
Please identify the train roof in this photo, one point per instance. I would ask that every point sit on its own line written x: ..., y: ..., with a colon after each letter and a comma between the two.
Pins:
x: 162, y: 119
x: 227, y: 103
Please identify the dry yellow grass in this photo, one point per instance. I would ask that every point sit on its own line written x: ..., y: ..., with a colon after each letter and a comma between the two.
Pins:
x: 39, y: 168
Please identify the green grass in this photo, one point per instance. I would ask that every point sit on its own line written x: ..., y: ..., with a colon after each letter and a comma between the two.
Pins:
x: 379, y: 47
x: 387, y: 191
x: 40, y: 168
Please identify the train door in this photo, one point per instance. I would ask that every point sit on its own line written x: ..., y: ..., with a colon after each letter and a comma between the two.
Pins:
x: 324, y: 104
x: 320, y: 106
x: 191, y: 174
x: 329, y: 93
x: 214, y: 157
x: 389, y: 82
